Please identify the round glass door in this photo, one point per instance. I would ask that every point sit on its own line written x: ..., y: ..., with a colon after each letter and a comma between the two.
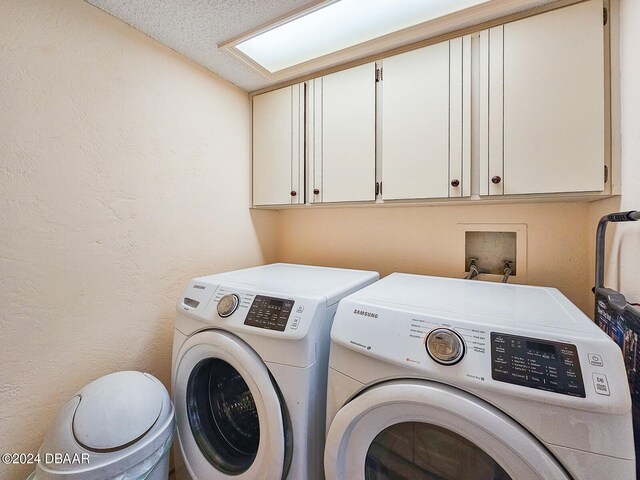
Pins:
x: 422, y: 430
x: 230, y: 414
x: 421, y: 451
x: 223, y: 416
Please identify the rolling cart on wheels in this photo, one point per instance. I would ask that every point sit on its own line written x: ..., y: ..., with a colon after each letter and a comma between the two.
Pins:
x: 620, y: 320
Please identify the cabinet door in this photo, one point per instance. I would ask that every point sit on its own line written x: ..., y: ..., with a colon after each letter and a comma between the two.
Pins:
x: 278, y: 147
x: 546, y: 106
x: 342, y: 136
x: 423, y: 104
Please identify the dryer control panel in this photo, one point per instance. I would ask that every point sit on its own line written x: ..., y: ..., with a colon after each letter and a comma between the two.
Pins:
x: 535, y: 363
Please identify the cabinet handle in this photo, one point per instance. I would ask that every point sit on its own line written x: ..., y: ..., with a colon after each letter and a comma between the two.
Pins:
x: 455, y: 182
x: 293, y: 193
x: 316, y: 191
x: 496, y: 180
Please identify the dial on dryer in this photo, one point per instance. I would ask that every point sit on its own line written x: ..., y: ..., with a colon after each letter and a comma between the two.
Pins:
x: 445, y: 346
x: 228, y: 304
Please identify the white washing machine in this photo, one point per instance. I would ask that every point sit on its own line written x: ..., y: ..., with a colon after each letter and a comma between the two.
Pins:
x: 456, y: 379
x: 250, y: 357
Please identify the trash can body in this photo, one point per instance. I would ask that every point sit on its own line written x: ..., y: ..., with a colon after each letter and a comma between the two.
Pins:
x: 118, y: 427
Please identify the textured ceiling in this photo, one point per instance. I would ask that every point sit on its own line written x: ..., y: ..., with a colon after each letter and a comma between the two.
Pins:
x: 195, y: 27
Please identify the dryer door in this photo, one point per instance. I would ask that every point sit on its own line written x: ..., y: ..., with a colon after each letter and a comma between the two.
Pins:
x: 424, y: 430
x: 230, y: 415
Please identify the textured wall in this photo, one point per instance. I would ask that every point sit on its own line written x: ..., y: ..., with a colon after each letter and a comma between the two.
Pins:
x: 123, y: 173
x: 426, y: 240
x: 622, y: 270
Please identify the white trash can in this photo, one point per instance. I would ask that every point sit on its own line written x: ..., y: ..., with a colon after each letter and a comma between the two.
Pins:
x: 118, y: 427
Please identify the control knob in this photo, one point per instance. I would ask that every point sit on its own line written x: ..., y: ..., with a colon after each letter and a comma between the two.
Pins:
x: 445, y: 346
x: 228, y: 304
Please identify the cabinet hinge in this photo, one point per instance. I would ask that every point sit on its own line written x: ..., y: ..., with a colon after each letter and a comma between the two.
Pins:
x: 380, y: 188
x: 606, y: 174
x: 377, y: 188
x: 377, y: 74
x: 605, y: 15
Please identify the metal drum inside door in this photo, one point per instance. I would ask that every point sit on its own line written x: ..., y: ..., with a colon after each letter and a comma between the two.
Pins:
x: 423, y: 451
x: 223, y: 416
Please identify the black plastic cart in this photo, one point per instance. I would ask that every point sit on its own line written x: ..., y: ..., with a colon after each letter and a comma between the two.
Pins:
x: 620, y: 320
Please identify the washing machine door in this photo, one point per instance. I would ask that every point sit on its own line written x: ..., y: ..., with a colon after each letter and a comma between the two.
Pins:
x: 422, y: 430
x: 230, y: 416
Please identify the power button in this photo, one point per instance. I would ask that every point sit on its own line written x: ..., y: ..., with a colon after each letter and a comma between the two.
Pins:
x: 595, y: 359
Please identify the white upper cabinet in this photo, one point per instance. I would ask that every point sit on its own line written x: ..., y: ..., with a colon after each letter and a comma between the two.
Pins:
x: 516, y: 109
x: 425, y: 121
x: 543, y: 110
x: 278, y: 147
x: 341, y: 136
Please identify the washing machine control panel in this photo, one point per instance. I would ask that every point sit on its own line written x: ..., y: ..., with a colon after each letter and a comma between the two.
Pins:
x: 269, y: 312
x: 535, y: 363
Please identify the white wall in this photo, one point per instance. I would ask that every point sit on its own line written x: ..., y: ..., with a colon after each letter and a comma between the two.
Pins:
x: 124, y: 172
x: 622, y: 270
x: 428, y: 240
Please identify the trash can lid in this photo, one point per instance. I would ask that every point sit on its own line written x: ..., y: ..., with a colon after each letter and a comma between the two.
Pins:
x: 116, y: 410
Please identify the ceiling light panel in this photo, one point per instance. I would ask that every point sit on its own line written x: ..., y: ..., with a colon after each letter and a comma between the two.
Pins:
x: 339, y: 25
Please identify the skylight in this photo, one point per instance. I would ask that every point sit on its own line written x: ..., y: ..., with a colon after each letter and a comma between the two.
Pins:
x: 338, y: 25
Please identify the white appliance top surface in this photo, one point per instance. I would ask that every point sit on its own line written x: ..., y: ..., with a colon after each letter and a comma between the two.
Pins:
x: 330, y: 283
x: 496, y: 303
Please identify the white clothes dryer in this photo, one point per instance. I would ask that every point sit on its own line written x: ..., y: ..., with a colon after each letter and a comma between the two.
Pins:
x: 458, y: 379
x: 250, y: 358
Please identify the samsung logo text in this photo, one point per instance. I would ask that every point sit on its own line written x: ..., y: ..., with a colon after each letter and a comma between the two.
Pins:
x: 365, y: 314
